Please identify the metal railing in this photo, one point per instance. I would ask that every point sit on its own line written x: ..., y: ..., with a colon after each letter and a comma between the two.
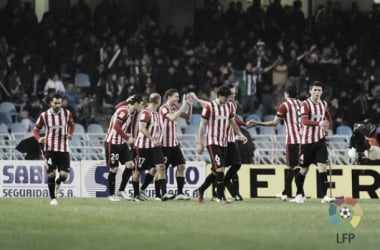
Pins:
x: 270, y: 149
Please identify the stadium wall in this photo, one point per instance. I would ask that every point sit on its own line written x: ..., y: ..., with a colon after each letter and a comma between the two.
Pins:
x: 86, y: 179
x: 351, y: 181
x: 89, y: 179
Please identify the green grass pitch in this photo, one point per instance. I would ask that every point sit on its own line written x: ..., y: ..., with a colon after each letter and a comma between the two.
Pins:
x: 96, y: 223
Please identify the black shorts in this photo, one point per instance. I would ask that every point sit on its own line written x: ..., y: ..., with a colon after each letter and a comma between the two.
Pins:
x: 218, y: 156
x: 233, y: 154
x: 148, y: 158
x: 173, y: 156
x: 57, y: 160
x: 116, y: 153
x: 313, y: 153
x: 292, y: 155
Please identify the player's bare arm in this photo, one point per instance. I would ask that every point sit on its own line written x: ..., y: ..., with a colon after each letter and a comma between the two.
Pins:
x: 198, y: 100
x: 237, y: 130
x: 276, y: 120
x: 202, y: 126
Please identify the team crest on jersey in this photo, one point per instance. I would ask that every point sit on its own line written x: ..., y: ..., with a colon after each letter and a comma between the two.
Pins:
x: 122, y: 115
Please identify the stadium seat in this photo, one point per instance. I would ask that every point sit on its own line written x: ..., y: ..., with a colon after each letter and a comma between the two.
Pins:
x: 182, y: 123
x: 3, y: 128
x: 82, y: 80
x: 195, y: 119
x: 5, y: 118
x: 267, y: 130
x: 280, y: 129
x: 7, y: 107
x: 79, y: 129
x: 253, y: 117
x: 28, y: 123
x: 252, y: 132
x: 5, y: 143
x: 95, y: 128
x: 262, y: 145
x: 96, y: 135
x: 344, y: 130
x: 269, y: 117
x: 338, y: 142
x: 191, y: 129
x: 18, y: 130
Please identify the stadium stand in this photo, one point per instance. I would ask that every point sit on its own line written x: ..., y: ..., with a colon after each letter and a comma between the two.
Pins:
x: 195, y: 119
x: 18, y: 130
x: 255, y: 117
x: 267, y: 130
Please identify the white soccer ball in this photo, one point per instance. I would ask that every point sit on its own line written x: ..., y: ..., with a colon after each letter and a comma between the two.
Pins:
x: 345, y: 212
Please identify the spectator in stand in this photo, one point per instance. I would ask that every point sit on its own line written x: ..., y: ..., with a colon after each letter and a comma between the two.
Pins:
x: 80, y: 13
x: 111, y: 89
x: 55, y: 83
x: 33, y: 108
x: 355, y: 36
x: 65, y: 105
x: 86, y: 112
x: 336, y: 113
x: 72, y: 95
x: 16, y: 88
x: 248, y: 89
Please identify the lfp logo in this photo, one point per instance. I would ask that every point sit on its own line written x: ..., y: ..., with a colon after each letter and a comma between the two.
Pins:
x: 345, y: 213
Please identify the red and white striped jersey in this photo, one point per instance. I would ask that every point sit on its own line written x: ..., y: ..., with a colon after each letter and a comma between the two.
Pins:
x: 118, y: 127
x: 169, y: 136
x: 152, y: 120
x: 134, y: 127
x: 57, y: 127
x: 218, y: 117
x: 231, y: 133
x: 290, y: 112
x: 315, y: 112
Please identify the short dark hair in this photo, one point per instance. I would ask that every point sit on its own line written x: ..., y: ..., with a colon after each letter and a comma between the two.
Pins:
x: 223, y: 91
x: 230, y: 85
x: 134, y: 99
x: 56, y: 96
x: 291, y: 90
x: 170, y: 92
x: 317, y: 84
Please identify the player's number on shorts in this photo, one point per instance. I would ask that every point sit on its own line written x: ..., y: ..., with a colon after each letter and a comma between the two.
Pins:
x: 114, y: 157
x: 217, y: 160
x: 141, y: 161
